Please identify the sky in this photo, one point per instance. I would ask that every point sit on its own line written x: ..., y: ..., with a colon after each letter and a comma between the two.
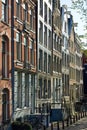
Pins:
x: 80, y: 28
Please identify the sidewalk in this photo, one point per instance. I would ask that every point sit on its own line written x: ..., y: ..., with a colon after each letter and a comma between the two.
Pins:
x: 68, y: 123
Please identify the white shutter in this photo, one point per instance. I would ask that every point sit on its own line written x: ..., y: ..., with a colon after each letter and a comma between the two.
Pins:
x: 17, y: 37
x: 24, y: 41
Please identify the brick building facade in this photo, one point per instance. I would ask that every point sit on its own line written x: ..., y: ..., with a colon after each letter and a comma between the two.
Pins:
x: 17, y: 58
x: 5, y: 62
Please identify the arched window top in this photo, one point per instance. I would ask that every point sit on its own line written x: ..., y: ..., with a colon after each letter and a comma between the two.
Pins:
x: 5, y: 43
x: 5, y: 38
x: 5, y: 90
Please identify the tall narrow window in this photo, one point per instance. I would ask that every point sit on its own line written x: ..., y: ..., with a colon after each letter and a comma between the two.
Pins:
x: 45, y: 12
x: 5, y: 10
x: 40, y: 60
x: 26, y: 12
x: 65, y: 27
x: 40, y: 89
x: 25, y: 49
x: 41, y: 32
x: 26, y: 90
x: 49, y: 40
x: 56, y: 90
x: 19, y: 90
x: 45, y: 62
x: 45, y: 88
x: 32, y: 19
x: 49, y: 64
x: 5, y: 105
x: 41, y: 7
x: 5, y: 57
x: 18, y: 8
x: 49, y: 88
x: 50, y: 17
x: 45, y: 36
x: 32, y: 51
x: 19, y: 49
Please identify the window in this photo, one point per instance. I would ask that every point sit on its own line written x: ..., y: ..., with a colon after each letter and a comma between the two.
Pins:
x: 45, y: 88
x: 25, y: 49
x: 18, y: 8
x: 45, y: 12
x: 45, y: 36
x: 54, y: 63
x: 40, y: 60
x: 5, y: 105
x: 41, y: 7
x: 49, y: 64
x: 50, y: 17
x: 19, y: 90
x: 49, y: 40
x: 5, y: 10
x: 58, y: 65
x: 19, y: 46
x: 40, y: 89
x: 41, y: 33
x: 49, y: 88
x: 26, y: 12
x: 32, y: 19
x: 54, y: 41
x: 5, y: 57
x: 65, y: 26
x: 45, y: 62
x: 32, y: 51
x: 56, y: 89
x: 26, y: 90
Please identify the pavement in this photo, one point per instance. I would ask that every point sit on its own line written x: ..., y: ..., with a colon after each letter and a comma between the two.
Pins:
x: 78, y: 125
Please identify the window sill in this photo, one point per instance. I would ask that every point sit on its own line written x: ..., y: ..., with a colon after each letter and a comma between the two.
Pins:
x: 5, y: 78
x: 4, y: 22
x: 18, y: 20
x: 19, y: 63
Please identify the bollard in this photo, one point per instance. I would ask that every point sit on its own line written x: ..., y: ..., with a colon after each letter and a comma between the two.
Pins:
x: 62, y: 124
x: 58, y: 126
x: 70, y: 120
x: 44, y: 128
x: 85, y: 113
x: 51, y: 126
x: 73, y: 119
x: 67, y: 122
x: 79, y: 116
x: 76, y: 117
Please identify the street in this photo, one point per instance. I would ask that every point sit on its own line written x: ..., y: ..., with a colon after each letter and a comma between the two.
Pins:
x: 79, y: 125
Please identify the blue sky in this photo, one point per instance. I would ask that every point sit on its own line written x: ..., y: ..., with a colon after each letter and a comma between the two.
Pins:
x: 76, y: 17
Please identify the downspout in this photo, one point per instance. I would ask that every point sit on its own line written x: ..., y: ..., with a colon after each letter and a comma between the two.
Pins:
x: 12, y: 55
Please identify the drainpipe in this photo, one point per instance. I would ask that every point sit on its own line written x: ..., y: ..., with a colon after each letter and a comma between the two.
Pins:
x: 12, y: 55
